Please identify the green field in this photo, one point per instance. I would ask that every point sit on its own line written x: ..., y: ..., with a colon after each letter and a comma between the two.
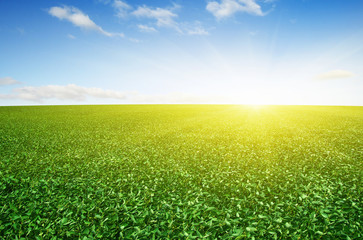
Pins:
x: 181, y: 172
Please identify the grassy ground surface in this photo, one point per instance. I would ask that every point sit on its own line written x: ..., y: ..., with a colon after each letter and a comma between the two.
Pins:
x: 181, y: 172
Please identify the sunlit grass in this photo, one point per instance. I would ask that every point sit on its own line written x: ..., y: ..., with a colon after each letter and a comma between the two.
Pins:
x: 181, y: 172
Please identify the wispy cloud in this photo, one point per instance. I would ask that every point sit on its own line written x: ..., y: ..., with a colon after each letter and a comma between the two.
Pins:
x: 8, y: 81
x: 135, y: 40
x: 79, y: 19
x: 164, y: 16
x: 161, y: 17
x: 76, y: 93
x: 335, y: 74
x: 253, y: 33
x: 21, y: 30
x: 226, y: 8
x: 121, y: 8
x: 71, y: 36
x: 195, y: 28
x: 62, y: 92
x: 197, y: 31
x: 145, y: 28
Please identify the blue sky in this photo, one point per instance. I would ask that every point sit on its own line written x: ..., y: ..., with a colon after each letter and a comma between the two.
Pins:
x: 202, y: 51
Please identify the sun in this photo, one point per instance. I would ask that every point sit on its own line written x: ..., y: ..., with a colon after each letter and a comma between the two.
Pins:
x: 255, y: 100
x: 257, y: 107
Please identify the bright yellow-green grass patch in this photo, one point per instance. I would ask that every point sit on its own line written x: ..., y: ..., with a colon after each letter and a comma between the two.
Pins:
x: 181, y: 172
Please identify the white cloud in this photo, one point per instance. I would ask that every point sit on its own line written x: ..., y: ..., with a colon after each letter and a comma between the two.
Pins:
x: 79, y: 19
x: 227, y: 8
x: 122, y: 8
x: 197, y: 31
x: 195, y: 28
x: 71, y: 36
x: 65, y: 92
x: 76, y: 93
x: 135, y: 40
x: 164, y: 16
x: 335, y: 74
x: 8, y: 81
x: 145, y: 28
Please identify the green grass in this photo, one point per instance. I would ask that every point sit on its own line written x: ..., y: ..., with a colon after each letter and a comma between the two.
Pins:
x: 181, y: 172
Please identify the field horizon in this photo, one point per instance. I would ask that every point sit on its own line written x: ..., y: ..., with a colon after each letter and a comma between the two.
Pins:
x: 181, y: 172
x: 191, y: 104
